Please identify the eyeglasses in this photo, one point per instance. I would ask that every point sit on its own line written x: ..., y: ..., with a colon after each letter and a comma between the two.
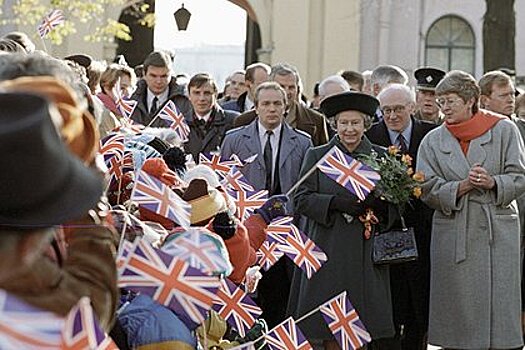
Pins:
x: 442, y: 102
x: 396, y: 109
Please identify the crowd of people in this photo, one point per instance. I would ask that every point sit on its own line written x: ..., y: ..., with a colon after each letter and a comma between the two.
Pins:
x: 67, y: 209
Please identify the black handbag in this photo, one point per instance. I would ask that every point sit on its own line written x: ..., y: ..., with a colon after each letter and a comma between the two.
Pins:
x: 394, y: 246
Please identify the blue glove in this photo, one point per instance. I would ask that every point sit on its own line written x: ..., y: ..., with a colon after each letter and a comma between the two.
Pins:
x: 274, y: 207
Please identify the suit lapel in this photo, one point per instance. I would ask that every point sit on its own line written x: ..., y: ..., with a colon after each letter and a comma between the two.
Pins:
x: 458, y: 163
x: 286, y: 143
x: 415, y: 136
x: 476, y: 152
x: 252, y: 142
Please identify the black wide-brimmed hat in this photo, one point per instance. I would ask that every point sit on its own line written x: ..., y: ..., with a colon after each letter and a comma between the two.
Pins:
x: 428, y: 78
x: 41, y: 183
x: 349, y: 101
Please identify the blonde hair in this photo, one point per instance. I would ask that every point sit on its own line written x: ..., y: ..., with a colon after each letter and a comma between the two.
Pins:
x: 109, y: 78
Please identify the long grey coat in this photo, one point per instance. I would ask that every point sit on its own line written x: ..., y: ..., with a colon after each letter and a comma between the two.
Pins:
x: 475, y: 300
x: 349, y: 266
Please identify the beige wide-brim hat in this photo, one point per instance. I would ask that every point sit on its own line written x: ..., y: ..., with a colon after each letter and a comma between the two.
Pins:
x: 205, y: 201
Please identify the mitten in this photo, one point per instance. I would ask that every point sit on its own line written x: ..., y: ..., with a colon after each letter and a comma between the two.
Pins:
x: 274, y: 207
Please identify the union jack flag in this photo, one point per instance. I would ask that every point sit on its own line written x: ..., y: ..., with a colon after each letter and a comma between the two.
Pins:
x: 235, y: 180
x: 353, y: 175
x: 170, y: 281
x: 236, y: 307
x: 123, y: 253
x: 201, y: 249
x: 153, y: 195
x: 287, y: 336
x: 50, y: 22
x: 175, y: 119
x: 82, y: 331
x: 111, y: 145
x: 343, y: 321
x: 279, y: 227
x: 117, y: 165
x: 247, y: 202
x: 221, y: 167
x: 25, y: 327
x: 268, y: 254
x: 125, y: 106
x: 301, y: 249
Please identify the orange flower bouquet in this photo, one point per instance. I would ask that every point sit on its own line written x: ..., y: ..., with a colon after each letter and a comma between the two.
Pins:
x: 398, y: 184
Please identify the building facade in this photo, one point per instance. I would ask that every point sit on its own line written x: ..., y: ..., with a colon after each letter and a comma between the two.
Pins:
x: 322, y: 37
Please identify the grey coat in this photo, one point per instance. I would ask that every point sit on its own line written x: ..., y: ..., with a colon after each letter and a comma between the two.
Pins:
x: 349, y: 266
x: 244, y: 142
x: 475, y: 297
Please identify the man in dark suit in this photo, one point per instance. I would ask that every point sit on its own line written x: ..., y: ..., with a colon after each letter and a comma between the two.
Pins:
x: 208, y: 122
x: 297, y: 115
x: 156, y: 89
x: 410, y: 282
x: 279, y: 151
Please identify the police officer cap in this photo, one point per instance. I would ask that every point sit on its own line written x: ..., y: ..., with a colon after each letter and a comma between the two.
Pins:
x: 349, y: 101
x: 428, y: 78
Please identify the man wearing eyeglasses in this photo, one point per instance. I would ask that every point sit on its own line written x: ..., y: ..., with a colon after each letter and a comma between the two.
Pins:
x: 427, y: 80
x: 410, y: 282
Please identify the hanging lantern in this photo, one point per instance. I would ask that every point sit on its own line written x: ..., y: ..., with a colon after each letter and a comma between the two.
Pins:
x: 182, y: 18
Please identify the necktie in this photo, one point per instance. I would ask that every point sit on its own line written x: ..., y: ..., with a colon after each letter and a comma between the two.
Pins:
x: 154, y: 105
x: 402, y: 143
x: 268, y: 160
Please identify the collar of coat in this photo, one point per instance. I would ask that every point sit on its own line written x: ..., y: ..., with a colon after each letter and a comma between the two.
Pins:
x: 217, y: 117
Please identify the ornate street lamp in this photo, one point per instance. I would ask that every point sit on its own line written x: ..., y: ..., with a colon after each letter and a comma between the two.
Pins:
x: 182, y: 18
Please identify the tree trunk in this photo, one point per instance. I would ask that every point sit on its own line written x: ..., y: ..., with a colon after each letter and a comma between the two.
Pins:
x: 141, y: 43
x: 499, y: 31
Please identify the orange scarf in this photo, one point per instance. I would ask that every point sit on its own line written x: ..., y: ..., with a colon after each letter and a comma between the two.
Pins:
x: 466, y: 131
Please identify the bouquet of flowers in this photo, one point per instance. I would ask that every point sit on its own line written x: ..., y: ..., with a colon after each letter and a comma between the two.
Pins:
x: 398, y: 184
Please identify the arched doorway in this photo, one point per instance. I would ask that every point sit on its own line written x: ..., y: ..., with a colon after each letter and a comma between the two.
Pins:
x: 450, y: 44
x: 142, y: 44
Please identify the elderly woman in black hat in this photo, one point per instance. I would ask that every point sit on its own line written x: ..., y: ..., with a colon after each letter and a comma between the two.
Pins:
x: 332, y: 222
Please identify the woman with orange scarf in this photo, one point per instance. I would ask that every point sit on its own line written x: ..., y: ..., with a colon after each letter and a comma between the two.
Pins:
x: 474, y: 166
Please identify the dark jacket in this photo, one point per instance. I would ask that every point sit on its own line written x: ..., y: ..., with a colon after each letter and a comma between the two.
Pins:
x: 208, y: 137
x: 141, y: 114
x: 378, y: 134
x: 299, y: 117
x: 349, y: 266
x: 410, y: 281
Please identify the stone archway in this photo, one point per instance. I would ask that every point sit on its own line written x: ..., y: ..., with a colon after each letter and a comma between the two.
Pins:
x: 136, y: 50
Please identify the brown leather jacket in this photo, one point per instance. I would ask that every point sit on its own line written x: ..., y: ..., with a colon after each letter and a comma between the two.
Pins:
x: 88, y: 271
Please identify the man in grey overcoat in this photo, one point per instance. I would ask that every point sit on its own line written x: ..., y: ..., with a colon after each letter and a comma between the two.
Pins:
x: 275, y: 152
